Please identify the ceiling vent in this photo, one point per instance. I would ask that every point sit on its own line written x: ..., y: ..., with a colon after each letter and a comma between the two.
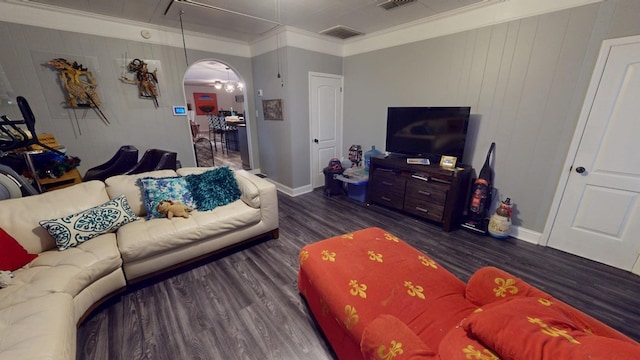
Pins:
x: 392, y: 4
x: 341, y: 32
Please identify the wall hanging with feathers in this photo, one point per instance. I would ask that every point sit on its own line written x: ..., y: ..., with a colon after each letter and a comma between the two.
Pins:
x: 79, y: 84
x: 147, y: 81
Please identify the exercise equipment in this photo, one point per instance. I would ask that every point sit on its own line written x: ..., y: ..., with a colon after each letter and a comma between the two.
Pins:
x: 13, y: 185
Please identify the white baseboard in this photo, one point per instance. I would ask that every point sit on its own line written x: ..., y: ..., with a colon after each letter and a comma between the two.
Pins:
x: 517, y: 232
x: 636, y: 267
x: 291, y: 191
x: 525, y: 234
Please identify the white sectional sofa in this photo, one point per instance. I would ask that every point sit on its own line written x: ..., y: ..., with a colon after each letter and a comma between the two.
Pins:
x: 53, y: 293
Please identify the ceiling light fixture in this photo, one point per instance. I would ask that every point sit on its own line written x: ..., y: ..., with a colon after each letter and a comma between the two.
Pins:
x: 277, y: 8
x: 228, y: 85
x: 184, y: 44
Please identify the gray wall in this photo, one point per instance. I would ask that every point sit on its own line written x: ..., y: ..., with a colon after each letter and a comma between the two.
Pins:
x: 132, y: 120
x: 525, y: 81
x: 274, y: 136
x: 285, y: 145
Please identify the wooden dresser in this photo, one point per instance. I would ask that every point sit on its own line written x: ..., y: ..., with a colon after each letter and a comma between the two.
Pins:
x: 426, y: 191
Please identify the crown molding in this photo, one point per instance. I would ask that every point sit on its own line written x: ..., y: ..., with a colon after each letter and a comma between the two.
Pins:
x: 471, y: 17
x: 34, y: 14
x: 487, y: 13
x: 298, y: 38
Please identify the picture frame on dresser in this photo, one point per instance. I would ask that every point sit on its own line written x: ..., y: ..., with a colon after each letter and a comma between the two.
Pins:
x: 448, y: 162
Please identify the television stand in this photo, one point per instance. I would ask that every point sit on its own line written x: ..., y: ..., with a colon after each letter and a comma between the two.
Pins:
x: 426, y: 191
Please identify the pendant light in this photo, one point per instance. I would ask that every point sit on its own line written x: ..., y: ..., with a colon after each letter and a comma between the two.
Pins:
x: 229, y: 86
x: 184, y: 44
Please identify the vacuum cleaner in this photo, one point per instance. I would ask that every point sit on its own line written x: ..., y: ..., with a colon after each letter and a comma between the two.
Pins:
x: 480, y: 197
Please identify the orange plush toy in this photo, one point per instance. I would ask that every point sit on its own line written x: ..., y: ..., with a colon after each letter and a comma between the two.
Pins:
x: 171, y: 209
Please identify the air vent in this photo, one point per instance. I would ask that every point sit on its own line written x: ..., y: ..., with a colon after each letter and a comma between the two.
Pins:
x: 392, y: 4
x: 341, y: 32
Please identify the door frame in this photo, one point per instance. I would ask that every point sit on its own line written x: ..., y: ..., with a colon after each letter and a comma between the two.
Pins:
x: 596, y: 77
x: 311, y: 144
x: 245, y: 106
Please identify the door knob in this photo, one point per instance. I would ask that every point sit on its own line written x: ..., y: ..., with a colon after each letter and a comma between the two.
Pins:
x: 580, y: 169
x: 316, y: 141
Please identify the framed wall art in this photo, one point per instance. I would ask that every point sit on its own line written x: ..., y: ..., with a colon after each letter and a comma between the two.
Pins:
x: 205, y: 103
x: 272, y: 109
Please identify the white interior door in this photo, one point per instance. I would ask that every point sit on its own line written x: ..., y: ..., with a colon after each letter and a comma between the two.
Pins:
x: 325, y: 114
x: 598, y: 215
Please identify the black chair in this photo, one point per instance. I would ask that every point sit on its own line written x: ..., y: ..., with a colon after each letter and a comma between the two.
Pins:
x: 204, y: 152
x: 218, y: 125
x: 156, y: 159
x: 122, y: 162
x: 216, y: 128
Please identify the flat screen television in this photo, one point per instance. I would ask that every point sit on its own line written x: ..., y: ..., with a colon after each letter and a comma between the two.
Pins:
x: 428, y: 132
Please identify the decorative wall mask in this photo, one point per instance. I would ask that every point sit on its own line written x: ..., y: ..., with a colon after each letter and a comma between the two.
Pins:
x: 147, y: 81
x: 79, y: 84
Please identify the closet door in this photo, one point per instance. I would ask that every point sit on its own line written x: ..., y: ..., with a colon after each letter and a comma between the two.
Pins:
x: 599, y: 212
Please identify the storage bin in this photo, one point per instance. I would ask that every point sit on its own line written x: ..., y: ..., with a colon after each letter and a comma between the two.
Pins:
x: 357, y: 191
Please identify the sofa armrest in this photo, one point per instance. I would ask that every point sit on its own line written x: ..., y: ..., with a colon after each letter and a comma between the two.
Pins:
x: 490, y: 284
x: 388, y: 335
x: 249, y: 190
x: 458, y: 345
x: 259, y: 193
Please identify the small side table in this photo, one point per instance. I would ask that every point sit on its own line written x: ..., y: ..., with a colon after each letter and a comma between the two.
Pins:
x: 69, y: 178
x: 43, y: 184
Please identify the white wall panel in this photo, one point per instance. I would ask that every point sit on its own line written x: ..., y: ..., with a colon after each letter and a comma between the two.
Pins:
x: 525, y: 81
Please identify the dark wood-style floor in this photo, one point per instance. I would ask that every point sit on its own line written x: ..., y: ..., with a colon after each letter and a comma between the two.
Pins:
x: 214, y: 154
x: 245, y: 305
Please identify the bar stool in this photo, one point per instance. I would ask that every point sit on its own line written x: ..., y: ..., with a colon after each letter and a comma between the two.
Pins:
x: 216, y: 126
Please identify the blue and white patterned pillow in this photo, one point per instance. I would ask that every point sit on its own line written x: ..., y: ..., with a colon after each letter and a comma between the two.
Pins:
x: 155, y: 190
x: 72, y: 230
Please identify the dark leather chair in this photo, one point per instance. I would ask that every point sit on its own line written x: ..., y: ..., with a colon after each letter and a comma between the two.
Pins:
x: 122, y: 162
x: 156, y: 159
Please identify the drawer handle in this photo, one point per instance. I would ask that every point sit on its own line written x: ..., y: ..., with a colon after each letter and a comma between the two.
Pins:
x: 385, y: 198
x: 387, y: 183
x: 422, y: 192
x: 426, y: 211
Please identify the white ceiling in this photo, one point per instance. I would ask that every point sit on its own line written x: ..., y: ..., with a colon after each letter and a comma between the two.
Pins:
x: 205, y: 73
x: 248, y: 20
x: 261, y: 16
